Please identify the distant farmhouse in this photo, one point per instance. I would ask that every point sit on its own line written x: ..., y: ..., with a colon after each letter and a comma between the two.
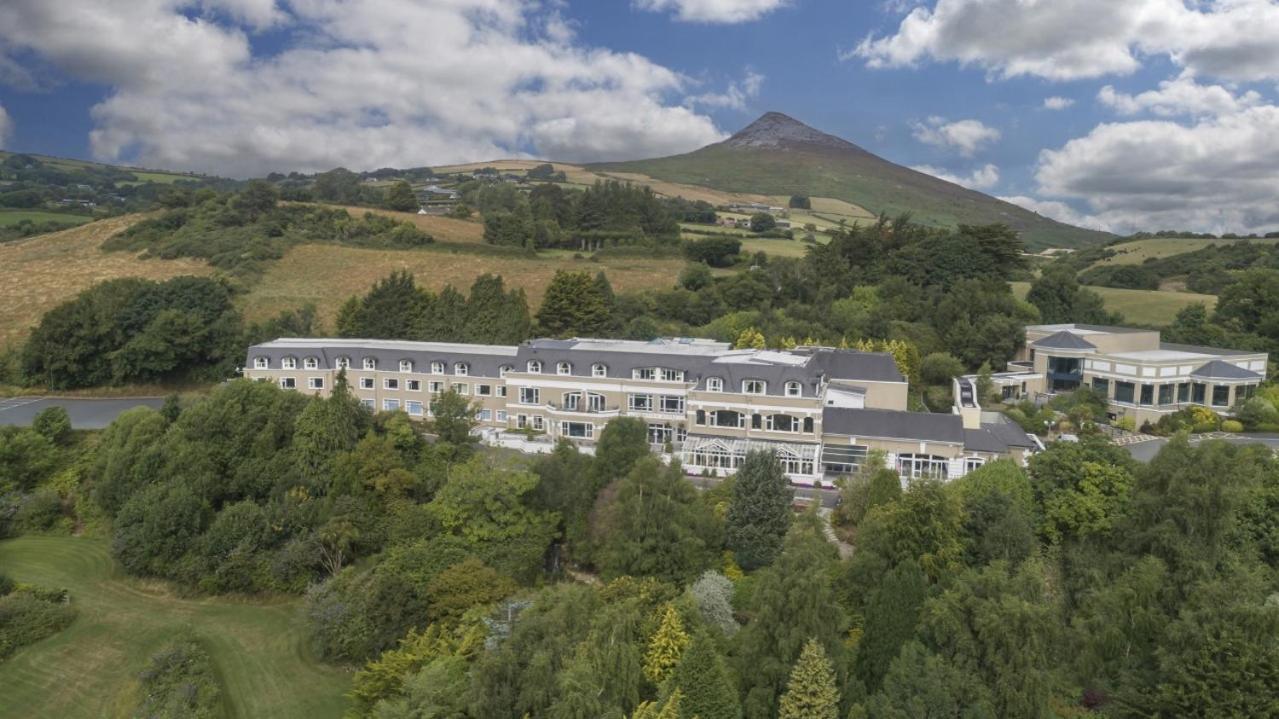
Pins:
x: 823, y: 412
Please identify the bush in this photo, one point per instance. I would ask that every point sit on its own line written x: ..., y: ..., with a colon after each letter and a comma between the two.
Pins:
x: 940, y: 368
x: 54, y: 424
x: 27, y: 616
x: 181, y: 681
x: 1231, y: 425
x: 1127, y: 424
x: 39, y: 511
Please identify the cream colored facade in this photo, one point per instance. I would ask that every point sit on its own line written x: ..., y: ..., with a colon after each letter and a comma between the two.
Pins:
x: 702, y: 400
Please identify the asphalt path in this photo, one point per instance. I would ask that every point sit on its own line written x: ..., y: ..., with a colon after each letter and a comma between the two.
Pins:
x: 84, y: 413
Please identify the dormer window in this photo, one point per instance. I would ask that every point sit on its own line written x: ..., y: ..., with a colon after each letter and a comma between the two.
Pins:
x: 370, y: 363
x: 406, y: 365
x: 437, y: 368
x: 714, y: 384
x: 563, y: 368
x: 343, y: 363
x: 289, y: 363
x: 534, y: 367
x: 672, y: 375
x: 461, y: 369
x: 311, y: 363
x: 501, y: 371
x: 644, y: 373
x: 599, y: 370
x: 261, y: 363
x: 754, y: 386
x: 794, y: 389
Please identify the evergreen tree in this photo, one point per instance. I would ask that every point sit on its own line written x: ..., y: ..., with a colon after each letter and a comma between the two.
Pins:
x: 703, y: 681
x: 759, y: 513
x: 793, y: 601
x: 325, y: 428
x: 811, y: 692
x: 574, y: 305
x: 400, y: 197
x: 670, y: 709
x: 390, y: 310
x: 750, y: 339
x: 623, y: 442
x: 494, y: 316
x: 666, y: 646
x: 444, y: 318
x: 892, y: 613
x: 656, y: 526
x: 453, y: 419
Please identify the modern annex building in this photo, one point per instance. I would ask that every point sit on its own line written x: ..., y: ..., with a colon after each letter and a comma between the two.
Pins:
x: 1141, y: 376
x: 821, y: 410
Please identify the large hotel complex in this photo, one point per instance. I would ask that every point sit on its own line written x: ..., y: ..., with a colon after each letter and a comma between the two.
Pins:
x: 822, y: 411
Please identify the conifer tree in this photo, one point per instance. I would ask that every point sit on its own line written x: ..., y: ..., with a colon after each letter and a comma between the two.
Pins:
x: 666, y: 646
x: 494, y: 316
x: 759, y: 513
x: 811, y: 692
x: 444, y: 319
x: 704, y: 682
x: 750, y: 339
x: 400, y: 197
x: 669, y: 710
x: 575, y: 304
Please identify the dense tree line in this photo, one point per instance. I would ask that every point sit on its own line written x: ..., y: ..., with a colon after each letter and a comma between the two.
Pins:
x: 606, y: 214
x: 240, y: 231
x: 34, y: 183
x: 396, y: 308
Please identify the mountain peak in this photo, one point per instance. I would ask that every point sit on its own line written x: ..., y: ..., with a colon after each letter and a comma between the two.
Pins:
x: 774, y: 130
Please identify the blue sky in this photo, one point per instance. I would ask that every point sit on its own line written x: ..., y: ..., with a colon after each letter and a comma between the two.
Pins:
x: 1165, y: 114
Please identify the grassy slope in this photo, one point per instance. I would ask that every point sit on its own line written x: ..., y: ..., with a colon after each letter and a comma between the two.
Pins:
x: 327, y: 275
x: 855, y: 177
x: 89, y: 669
x: 1144, y: 307
x: 13, y: 217
x: 38, y: 273
x: 1138, y: 251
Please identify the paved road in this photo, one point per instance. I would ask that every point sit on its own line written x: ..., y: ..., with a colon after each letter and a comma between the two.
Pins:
x: 1146, y: 451
x: 84, y: 413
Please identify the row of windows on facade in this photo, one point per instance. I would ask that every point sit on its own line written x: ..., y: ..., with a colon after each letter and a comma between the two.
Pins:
x: 1170, y: 394
x: 462, y: 369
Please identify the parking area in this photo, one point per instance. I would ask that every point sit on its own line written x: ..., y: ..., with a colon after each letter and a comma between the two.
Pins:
x: 84, y: 413
x: 1146, y: 451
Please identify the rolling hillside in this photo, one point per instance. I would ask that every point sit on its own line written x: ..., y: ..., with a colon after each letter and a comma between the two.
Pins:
x: 777, y: 155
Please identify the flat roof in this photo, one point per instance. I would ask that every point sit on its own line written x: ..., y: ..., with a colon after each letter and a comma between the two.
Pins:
x: 1161, y: 355
x: 286, y: 343
x: 1082, y: 329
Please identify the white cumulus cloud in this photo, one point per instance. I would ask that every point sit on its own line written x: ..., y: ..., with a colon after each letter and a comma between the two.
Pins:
x: 1234, y: 39
x: 964, y: 136
x: 1219, y: 174
x: 6, y: 128
x: 1057, y: 103
x: 981, y: 178
x: 445, y: 81
x: 1179, y: 96
x: 1056, y: 210
x: 713, y: 11
x: 735, y: 96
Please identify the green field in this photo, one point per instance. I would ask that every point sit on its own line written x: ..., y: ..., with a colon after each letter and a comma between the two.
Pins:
x: 90, y: 669
x: 13, y: 217
x: 1138, y: 251
x: 1142, y: 307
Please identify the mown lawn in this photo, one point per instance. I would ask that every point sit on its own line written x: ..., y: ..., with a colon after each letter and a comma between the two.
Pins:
x: 89, y: 670
x: 1144, y: 307
x: 1138, y: 251
x: 13, y: 217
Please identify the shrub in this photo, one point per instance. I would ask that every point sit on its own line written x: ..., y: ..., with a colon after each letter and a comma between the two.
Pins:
x: 1231, y: 425
x: 27, y: 616
x: 1127, y: 424
x: 54, y: 424
x: 39, y: 511
x: 181, y: 682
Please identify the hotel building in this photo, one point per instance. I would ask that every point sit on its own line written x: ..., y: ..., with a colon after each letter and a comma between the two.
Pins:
x: 821, y: 410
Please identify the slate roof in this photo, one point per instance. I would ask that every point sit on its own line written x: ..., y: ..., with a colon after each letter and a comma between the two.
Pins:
x: 893, y: 424
x: 997, y: 437
x: 1064, y: 340
x: 1217, y: 369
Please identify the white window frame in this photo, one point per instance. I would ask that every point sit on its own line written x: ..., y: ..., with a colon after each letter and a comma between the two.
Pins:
x: 501, y: 371
x: 368, y: 403
x: 369, y: 363
x: 534, y: 367
x: 411, y: 405
x: 530, y: 395
x: 501, y: 390
x: 486, y: 415
x: 599, y: 369
x: 714, y: 384
x: 288, y: 383
x: 501, y: 415
x: 436, y: 387
x: 310, y: 363
x: 367, y: 383
x: 315, y: 383
x: 261, y: 363
x: 749, y: 386
x: 342, y: 363
x: 391, y: 383
x: 413, y: 385
x: 289, y: 363
x: 483, y: 390
x: 437, y: 368
x: 647, y: 405
x: 646, y: 374
x: 794, y: 389
x: 595, y: 401
x: 671, y: 375
x: 462, y: 388
x: 406, y: 365
x: 670, y: 404
x: 461, y: 369
x: 390, y: 404
x: 564, y: 368
x: 588, y: 430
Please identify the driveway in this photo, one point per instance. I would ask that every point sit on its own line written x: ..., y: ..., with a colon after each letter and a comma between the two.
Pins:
x: 84, y: 413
